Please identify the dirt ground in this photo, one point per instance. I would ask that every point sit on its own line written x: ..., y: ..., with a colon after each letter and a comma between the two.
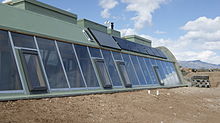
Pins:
x: 179, y: 105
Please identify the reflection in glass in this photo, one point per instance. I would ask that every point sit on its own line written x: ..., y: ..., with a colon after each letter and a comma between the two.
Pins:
x: 145, y: 70
x: 103, y: 74
x: 9, y: 77
x: 52, y: 64
x: 117, y: 55
x: 21, y: 40
x: 138, y: 69
x: 167, y: 78
x: 95, y: 52
x: 111, y: 68
x: 130, y: 69
x: 151, y: 71
x: 124, y: 74
x: 33, y: 71
x: 86, y: 65
x: 157, y: 72
x: 70, y: 64
x: 161, y: 71
x: 176, y: 78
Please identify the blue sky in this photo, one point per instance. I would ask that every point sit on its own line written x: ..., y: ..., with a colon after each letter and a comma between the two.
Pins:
x: 189, y: 28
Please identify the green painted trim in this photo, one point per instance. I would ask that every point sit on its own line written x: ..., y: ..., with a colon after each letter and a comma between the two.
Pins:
x: 27, y: 21
x: 114, y: 32
x: 82, y: 92
x: 35, y: 2
x: 93, y: 25
x: 137, y: 37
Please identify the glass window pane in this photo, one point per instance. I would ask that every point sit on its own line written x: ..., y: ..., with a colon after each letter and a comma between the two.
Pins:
x: 111, y: 68
x: 9, y: 77
x: 33, y: 71
x: 117, y: 55
x: 124, y: 74
x: 151, y: 71
x: 167, y: 79
x: 95, y: 52
x: 130, y: 69
x: 70, y: 64
x: 161, y: 71
x: 145, y: 70
x: 86, y: 65
x: 21, y: 40
x: 158, y: 75
x: 138, y: 70
x: 153, y: 63
x: 52, y: 64
x: 177, y: 81
x: 169, y: 74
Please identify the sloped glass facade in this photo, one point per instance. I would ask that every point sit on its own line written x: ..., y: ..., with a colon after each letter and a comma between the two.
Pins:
x: 72, y: 66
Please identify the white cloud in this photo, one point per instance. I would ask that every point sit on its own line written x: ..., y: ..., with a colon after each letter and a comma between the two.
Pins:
x: 107, y: 5
x: 211, y: 45
x: 159, y: 32
x: 200, y: 42
x: 144, y: 10
x: 203, y: 24
x: 128, y: 31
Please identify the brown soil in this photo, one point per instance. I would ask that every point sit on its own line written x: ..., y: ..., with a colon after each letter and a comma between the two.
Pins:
x: 197, y: 105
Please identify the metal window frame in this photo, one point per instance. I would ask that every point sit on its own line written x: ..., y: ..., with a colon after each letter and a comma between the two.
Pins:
x: 122, y: 83
x: 161, y: 70
x: 65, y: 74
x: 91, y: 59
x: 107, y: 68
x: 77, y: 59
x: 61, y: 61
x: 145, y: 65
x: 155, y: 68
x: 95, y: 60
x: 88, y: 36
x: 24, y: 89
x: 140, y: 69
x: 122, y: 77
x: 32, y: 90
x: 134, y: 71
x: 51, y: 90
x: 151, y: 65
x: 42, y: 65
x: 109, y: 71
x: 165, y: 72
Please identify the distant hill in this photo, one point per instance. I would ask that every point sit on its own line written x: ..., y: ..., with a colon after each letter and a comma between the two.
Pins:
x: 197, y: 64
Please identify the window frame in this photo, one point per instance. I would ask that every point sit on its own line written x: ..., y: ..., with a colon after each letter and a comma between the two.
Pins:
x: 97, y: 70
x: 124, y: 79
x: 32, y: 90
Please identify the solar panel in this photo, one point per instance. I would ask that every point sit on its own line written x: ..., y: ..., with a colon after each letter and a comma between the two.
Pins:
x: 135, y: 47
x: 104, y: 39
x: 149, y: 50
x: 155, y: 52
x: 131, y: 46
x: 162, y: 55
